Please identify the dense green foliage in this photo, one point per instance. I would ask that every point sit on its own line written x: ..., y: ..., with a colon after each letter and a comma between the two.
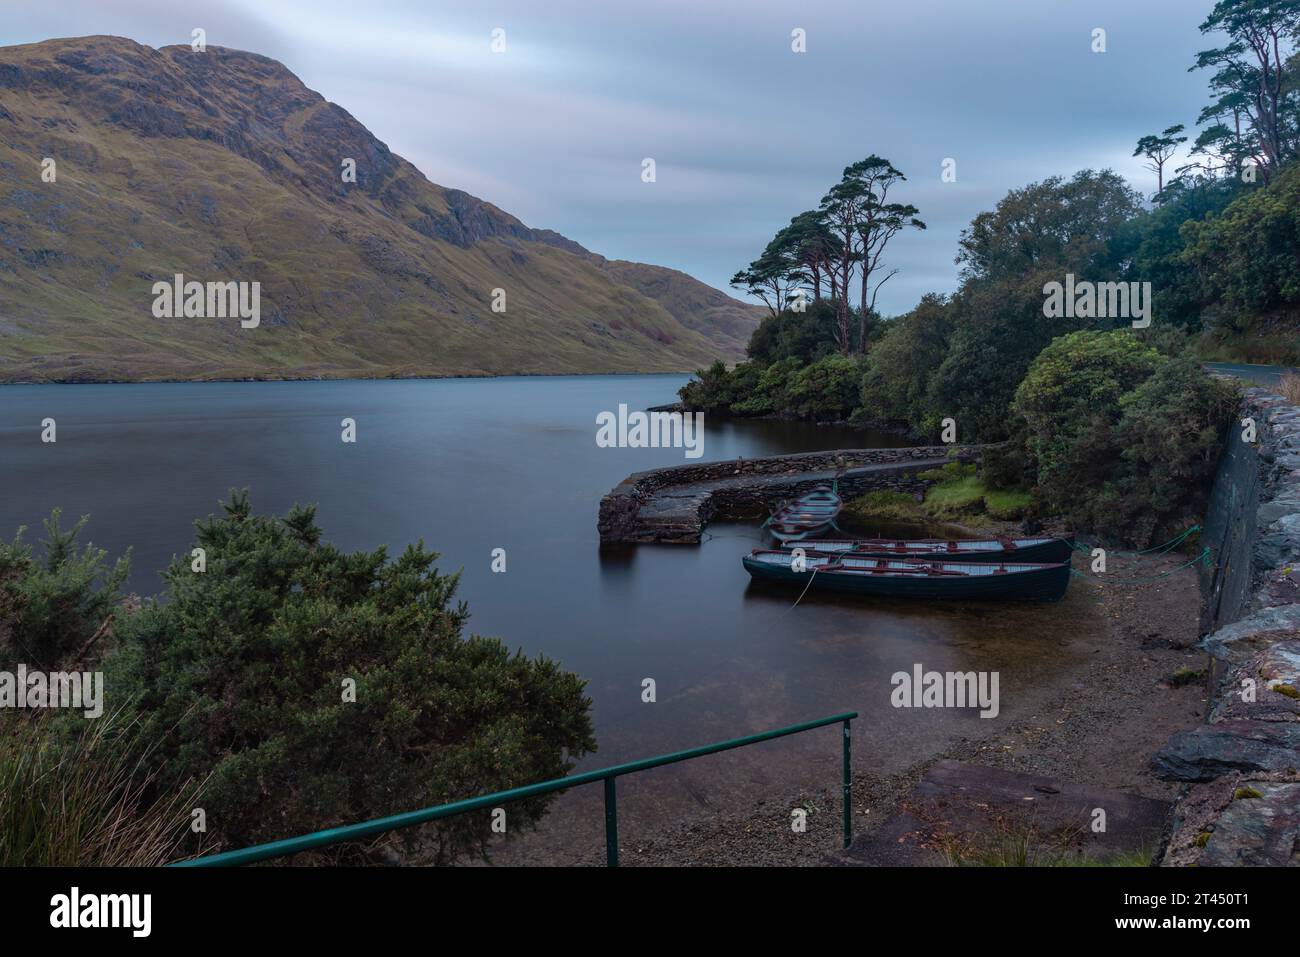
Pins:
x: 826, y: 390
x: 51, y: 608
x: 1109, y: 423
x: 296, y: 685
x: 896, y: 385
x: 72, y: 791
x: 806, y: 336
x: 1249, y: 254
x: 247, y: 672
x: 1118, y: 438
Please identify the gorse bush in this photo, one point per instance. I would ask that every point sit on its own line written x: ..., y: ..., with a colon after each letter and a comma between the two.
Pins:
x: 310, y: 687
x: 51, y: 608
x: 1069, y: 404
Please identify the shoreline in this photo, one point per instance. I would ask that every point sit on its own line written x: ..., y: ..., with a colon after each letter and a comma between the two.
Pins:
x: 1097, y: 723
x: 340, y: 378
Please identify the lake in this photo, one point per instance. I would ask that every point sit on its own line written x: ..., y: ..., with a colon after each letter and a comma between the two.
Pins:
x: 471, y: 465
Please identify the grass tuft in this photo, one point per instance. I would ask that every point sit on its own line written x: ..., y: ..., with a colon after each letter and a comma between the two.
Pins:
x: 1289, y: 387
x: 80, y: 799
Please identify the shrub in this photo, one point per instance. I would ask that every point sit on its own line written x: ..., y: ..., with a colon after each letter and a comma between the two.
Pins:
x: 825, y: 390
x: 710, y: 391
x: 243, y: 674
x: 806, y: 336
x: 50, y: 609
x: 769, y: 392
x: 1069, y: 405
x: 1169, y: 438
x: 1122, y: 440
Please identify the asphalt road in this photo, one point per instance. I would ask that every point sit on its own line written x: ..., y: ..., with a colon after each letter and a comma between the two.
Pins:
x: 1259, y: 375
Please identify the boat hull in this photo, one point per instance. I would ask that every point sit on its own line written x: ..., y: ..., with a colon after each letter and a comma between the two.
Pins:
x: 1045, y: 552
x: 810, y: 514
x: 1021, y: 582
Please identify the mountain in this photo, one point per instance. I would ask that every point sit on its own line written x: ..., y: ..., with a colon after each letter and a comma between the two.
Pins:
x: 223, y: 167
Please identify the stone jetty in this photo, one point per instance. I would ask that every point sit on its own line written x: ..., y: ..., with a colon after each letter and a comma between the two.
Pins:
x: 675, y: 504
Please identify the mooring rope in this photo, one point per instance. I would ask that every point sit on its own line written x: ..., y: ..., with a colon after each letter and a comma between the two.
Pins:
x: 804, y: 592
x: 1106, y: 579
x: 1153, y: 552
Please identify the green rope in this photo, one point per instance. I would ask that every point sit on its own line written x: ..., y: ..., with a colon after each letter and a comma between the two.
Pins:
x: 1203, y: 557
x: 1155, y: 550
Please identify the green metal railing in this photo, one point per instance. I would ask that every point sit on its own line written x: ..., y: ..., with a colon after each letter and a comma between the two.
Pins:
x: 351, y: 832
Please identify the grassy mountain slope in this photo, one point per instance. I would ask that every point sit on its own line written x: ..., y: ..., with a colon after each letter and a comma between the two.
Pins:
x: 222, y: 166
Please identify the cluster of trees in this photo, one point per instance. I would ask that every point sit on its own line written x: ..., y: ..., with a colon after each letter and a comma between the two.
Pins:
x: 1250, y: 127
x: 807, y: 357
x: 1219, y: 247
x: 839, y: 245
x: 286, y: 676
x: 979, y: 355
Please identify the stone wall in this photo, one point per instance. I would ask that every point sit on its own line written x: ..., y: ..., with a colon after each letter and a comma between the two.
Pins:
x: 655, y: 479
x: 1240, y: 803
x: 673, y: 504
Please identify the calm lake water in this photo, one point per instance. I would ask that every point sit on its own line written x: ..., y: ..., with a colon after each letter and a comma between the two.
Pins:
x: 471, y: 465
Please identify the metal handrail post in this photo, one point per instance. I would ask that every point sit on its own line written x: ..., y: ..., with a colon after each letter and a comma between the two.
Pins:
x: 848, y: 786
x: 611, y: 824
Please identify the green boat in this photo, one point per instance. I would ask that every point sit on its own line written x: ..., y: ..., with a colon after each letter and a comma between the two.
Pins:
x: 910, y: 579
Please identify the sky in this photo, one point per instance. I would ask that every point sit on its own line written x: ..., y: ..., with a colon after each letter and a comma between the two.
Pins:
x: 745, y: 133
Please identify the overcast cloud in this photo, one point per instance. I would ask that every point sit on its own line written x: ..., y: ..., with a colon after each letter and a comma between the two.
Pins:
x: 745, y: 133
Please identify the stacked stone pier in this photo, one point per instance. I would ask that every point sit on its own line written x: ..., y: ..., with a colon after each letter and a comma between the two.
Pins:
x: 675, y: 504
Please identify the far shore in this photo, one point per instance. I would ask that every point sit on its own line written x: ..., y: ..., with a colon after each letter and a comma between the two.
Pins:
x: 337, y: 378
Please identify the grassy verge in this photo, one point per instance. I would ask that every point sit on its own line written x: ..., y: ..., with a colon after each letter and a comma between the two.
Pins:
x: 888, y: 505
x: 956, y: 493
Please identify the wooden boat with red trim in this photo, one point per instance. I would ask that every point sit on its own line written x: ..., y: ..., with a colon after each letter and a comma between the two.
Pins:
x: 997, y: 550
x: 910, y: 579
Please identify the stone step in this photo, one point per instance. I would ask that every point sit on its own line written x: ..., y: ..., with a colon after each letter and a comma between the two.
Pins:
x: 957, y: 809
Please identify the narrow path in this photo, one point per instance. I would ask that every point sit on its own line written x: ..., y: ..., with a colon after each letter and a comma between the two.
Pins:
x: 679, y: 513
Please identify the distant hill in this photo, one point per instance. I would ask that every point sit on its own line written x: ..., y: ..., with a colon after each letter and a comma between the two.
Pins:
x: 224, y: 167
